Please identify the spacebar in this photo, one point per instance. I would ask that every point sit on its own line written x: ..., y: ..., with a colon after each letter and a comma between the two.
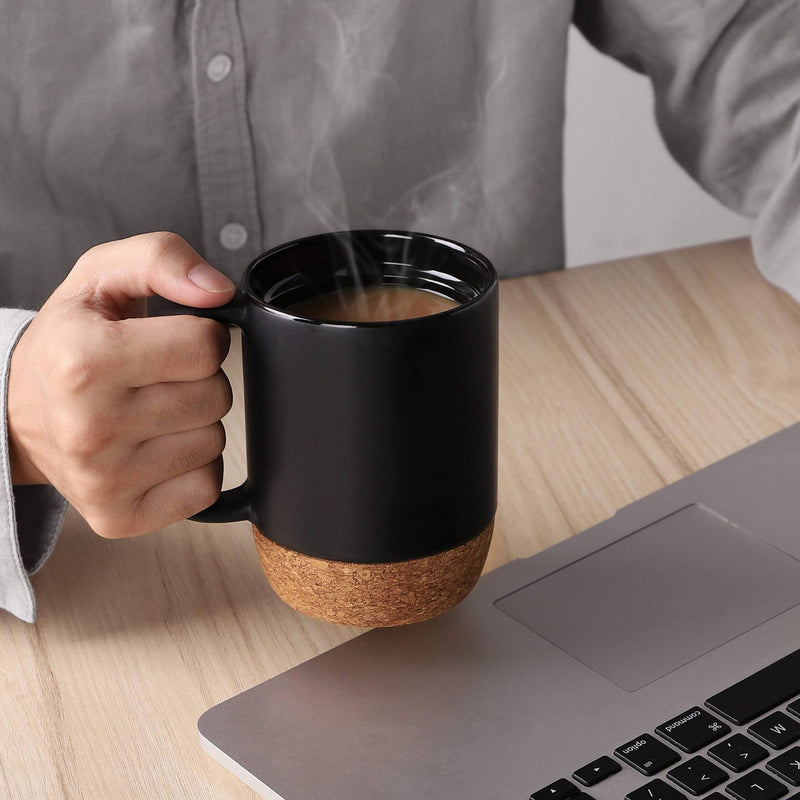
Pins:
x: 760, y: 692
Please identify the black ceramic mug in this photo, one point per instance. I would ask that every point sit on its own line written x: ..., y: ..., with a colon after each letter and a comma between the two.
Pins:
x: 371, y: 446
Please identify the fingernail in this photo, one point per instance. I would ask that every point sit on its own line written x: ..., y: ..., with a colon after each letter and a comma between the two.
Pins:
x: 210, y: 279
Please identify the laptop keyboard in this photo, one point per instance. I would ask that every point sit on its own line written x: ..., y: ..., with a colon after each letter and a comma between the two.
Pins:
x: 671, y: 755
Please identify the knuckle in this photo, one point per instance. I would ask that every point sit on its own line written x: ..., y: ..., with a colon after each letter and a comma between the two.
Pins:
x: 92, y: 252
x: 106, y: 525
x: 222, y: 335
x: 163, y: 244
x: 77, y: 371
x: 71, y: 440
x: 219, y: 439
x: 203, y: 491
x: 123, y: 520
x: 95, y: 488
x: 128, y: 526
x: 213, y: 343
x: 212, y: 445
x: 191, y: 405
x: 186, y: 462
x: 206, y: 344
x: 206, y: 401
x: 223, y: 395
x: 82, y: 437
x: 207, y: 447
x: 88, y: 258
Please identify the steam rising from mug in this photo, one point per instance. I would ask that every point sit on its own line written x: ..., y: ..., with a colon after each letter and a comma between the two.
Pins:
x: 366, y: 101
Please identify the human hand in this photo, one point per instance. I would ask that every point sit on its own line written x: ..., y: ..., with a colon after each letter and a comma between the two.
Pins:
x: 121, y: 412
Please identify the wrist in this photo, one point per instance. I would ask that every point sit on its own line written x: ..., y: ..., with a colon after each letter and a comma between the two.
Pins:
x: 23, y: 469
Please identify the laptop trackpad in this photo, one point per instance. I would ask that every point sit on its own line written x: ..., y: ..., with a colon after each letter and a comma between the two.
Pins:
x: 659, y: 597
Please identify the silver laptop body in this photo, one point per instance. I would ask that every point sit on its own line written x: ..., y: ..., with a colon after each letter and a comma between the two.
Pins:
x: 553, y: 661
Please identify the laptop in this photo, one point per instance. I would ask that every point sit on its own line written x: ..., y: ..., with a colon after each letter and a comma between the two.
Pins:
x: 655, y: 656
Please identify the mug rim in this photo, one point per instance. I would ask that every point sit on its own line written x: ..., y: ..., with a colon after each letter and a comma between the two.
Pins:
x: 473, y: 255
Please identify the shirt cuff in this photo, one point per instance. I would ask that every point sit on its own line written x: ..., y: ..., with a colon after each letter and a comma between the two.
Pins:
x: 30, y: 516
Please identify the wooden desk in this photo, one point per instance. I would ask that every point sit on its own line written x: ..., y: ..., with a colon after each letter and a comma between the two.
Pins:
x: 615, y: 380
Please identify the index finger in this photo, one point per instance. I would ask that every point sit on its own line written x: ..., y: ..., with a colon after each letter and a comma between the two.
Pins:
x: 114, y: 276
x: 164, y: 349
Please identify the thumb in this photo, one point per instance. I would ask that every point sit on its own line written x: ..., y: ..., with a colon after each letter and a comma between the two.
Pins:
x: 115, y: 275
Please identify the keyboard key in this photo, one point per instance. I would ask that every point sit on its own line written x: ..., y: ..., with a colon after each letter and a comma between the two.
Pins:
x: 697, y: 775
x: 738, y: 753
x: 756, y: 785
x: 794, y: 708
x: 693, y: 729
x: 647, y: 754
x: 655, y: 790
x: 777, y: 730
x: 757, y: 694
x: 596, y: 771
x: 787, y: 766
x: 716, y: 796
x: 561, y: 789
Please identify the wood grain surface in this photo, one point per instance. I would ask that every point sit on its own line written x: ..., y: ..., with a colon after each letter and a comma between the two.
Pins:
x: 616, y: 379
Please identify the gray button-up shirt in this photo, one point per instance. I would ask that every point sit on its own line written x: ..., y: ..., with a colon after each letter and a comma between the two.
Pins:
x: 241, y: 124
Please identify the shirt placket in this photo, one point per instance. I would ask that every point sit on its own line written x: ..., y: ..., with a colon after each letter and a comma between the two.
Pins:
x: 224, y: 150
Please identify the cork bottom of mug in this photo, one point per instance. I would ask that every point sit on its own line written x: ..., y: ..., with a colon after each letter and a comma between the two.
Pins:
x: 374, y: 595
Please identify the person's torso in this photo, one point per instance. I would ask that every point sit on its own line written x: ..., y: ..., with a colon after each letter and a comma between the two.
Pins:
x: 243, y: 125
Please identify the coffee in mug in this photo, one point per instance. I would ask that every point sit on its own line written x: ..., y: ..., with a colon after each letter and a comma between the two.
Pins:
x: 373, y: 304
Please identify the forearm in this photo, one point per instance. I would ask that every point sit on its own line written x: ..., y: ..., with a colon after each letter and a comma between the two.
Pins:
x: 726, y: 75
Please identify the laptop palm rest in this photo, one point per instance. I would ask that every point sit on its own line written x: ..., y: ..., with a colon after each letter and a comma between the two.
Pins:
x: 659, y: 597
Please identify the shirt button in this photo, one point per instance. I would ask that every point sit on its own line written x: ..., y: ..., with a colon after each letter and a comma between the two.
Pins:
x: 233, y: 236
x: 218, y: 67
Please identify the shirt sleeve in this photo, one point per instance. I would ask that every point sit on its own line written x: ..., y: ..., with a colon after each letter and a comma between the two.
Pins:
x: 726, y: 75
x: 30, y: 516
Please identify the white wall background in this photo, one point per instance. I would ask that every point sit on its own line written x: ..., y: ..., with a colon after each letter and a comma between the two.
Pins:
x: 624, y: 193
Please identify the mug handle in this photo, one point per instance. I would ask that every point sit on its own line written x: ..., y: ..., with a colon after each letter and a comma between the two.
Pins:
x: 232, y: 505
